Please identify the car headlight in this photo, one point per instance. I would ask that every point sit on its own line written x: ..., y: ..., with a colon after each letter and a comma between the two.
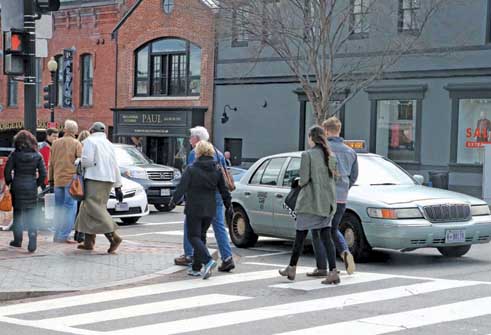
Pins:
x: 139, y: 191
x: 479, y: 210
x: 177, y: 174
x: 395, y: 214
x: 137, y: 174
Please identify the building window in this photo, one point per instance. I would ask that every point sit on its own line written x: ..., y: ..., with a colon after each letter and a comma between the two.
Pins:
x: 39, y: 79
x: 474, y: 130
x: 59, y: 79
x: 240, y: 36
x: 12, y: 92
x: 168, y: 67
x: 408, y: 15
x: 87, y: 76
x: 359, y: 18
x: 396, y: 129
x: 168, y: 6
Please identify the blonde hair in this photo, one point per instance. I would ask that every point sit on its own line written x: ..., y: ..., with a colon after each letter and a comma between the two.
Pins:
x: 71, y: 127
x: 83, y: 135
x: 204, y: 148
x: 332, y: 124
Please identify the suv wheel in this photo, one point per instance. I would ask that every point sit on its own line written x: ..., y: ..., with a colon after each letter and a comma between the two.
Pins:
x: 163, y: 207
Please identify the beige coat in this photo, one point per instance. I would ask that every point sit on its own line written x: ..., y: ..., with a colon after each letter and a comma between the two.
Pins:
x: 64, y: 152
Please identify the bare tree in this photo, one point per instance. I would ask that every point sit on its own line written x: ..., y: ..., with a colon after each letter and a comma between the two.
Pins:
x: 331, y: 46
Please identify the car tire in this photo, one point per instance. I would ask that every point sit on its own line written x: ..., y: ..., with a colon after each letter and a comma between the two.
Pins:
x: 354, y: 235
x: 457, y: 251
x: 163, y: 207
x: 130, y: 220
x: 240, y: 230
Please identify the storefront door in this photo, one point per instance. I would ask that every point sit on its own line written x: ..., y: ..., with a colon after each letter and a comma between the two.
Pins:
x: 170, y: 151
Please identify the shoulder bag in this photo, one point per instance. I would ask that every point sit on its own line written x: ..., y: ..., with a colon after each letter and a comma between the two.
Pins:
x: 77, y: 185
x: 229, y: 181
x: 6, y: 201
x: 291, y: 198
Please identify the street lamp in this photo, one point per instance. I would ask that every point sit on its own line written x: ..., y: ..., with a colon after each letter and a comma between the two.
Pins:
x: 224, y: 114
x: 53, y: 67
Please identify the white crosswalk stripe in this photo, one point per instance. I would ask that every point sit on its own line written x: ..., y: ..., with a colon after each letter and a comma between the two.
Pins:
x: 240, y: 309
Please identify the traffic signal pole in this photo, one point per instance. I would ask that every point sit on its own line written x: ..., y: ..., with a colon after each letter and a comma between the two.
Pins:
x: 30, y: 117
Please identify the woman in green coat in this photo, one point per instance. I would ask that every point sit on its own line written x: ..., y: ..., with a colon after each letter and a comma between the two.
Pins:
x: 315, y: 206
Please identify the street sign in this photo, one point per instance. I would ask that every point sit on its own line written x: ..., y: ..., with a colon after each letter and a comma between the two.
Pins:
x: 41, y: 48
x: 44, y: 27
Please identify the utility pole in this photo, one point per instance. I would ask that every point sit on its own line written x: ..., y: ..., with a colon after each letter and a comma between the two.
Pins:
x: 30, y: 117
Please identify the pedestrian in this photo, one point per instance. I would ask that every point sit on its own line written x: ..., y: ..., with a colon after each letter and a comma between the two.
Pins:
x: 78, y: 236
x: 45, y: 147
x: 316, y: 203
x: 198, y: 134
x: 348, y: 173
x: 199, y: 185
x: 83, y: 135
x: 24, y: 173
x: 227, y: 158
x: 101, y: 175
x: 64, y: 153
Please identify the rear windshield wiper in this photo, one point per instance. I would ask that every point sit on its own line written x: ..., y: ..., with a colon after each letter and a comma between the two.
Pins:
x: 382, y: 184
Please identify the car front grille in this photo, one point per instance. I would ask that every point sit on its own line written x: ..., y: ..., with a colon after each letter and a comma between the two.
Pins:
x: 160, y: 175
x: 132, y: 210
x: 447, y: 212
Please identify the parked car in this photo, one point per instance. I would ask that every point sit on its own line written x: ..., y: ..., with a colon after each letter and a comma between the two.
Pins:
x: 133, y: 206
x: 159, y: 181
x: 387, y: 208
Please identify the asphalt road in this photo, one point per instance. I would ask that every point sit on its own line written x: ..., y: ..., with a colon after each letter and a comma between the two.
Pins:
x: 419, y: 292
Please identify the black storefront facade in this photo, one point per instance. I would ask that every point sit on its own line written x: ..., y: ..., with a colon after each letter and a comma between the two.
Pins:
x: 161, y: 133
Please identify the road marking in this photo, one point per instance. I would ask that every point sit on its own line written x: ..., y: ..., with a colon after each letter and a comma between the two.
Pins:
x: 160, y: 223
x: 176, y: 286
x: 357, y: 278
x: 143, y: 309
x: 270, y: 254
x: 389, y: 323
x: 268, y: 312
x: 209, y: 234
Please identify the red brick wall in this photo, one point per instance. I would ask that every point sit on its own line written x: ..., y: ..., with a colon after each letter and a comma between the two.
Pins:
x: 190, y: 20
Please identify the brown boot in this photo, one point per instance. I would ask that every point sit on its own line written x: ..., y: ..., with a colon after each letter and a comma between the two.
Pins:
x: 115, y: 242
x: 289, y: 271
x: 332, y: 278
x: 89, y: 242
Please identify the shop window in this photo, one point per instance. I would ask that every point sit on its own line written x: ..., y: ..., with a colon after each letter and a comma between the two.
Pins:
x: 474, y: 130
x: 359, y: 18
x: 396, y: 129
x: 12, y: 92
x: 168, y: 67
x: 87, y: 76
x: 408, y: 15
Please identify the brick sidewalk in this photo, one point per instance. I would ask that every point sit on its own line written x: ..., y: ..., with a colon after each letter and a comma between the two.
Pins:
x: 62, y: 267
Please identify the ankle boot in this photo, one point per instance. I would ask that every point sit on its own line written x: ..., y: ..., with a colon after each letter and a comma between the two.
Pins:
x: 115, y: 241
x: 289, y: 271
x: 89, y: 242
x: 332, y: 278
x: 31, y: 247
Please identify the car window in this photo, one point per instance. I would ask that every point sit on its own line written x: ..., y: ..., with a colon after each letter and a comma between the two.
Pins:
x: 272, y: 172
x: 292, y: 172
x: 256, y: 178
x: 129, y: 156
x: 374, y: 170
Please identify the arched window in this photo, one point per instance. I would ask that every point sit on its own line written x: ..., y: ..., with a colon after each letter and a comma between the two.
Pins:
x: 168, y: 67
x: 168, y: 6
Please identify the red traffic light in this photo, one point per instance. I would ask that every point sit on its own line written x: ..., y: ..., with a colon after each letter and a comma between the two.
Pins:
x: 14, y: 41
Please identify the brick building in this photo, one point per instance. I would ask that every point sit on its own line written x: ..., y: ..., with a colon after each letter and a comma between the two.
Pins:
x: 165, y: 75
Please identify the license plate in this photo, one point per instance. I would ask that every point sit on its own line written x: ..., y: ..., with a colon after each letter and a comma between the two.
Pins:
x: 455, y: 236
x: 165, y: 192
x: 122, y: 207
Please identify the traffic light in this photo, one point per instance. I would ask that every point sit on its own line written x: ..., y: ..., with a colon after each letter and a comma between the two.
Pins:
x: 44, y: 6
x: 14, y: 46
x: 50, y: 96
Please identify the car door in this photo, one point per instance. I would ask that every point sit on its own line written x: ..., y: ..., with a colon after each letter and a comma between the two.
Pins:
x: 258, y: 197
x: 283, y: 222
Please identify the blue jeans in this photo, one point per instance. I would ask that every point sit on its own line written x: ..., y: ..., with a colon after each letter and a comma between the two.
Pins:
x: 221, y: 235
x: 337, y: 237
x: 65, y: 212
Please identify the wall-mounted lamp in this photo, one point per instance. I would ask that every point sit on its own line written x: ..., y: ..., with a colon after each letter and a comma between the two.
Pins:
x: 225, y: 117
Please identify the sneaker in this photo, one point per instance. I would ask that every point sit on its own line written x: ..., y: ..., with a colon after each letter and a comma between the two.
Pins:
x: 207, y: 269
x: 227, y: 265
x: 183, y: 260
x: 349, y: 262
x: 193, y: 273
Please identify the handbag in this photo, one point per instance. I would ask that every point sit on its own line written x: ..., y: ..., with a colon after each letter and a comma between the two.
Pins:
x: 229, y: 180
x: 6, y: 201
x: 77, y: 185
x: 291, y: 198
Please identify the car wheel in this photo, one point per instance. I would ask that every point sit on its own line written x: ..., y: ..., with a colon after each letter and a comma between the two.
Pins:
x: 352, y: 231
x: 163, y: 207
x: 240, y: 230
x: 130, y: 220
x: 457, y: 251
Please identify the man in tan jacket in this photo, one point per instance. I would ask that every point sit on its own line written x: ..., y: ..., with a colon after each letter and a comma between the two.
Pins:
x: 64, y: 152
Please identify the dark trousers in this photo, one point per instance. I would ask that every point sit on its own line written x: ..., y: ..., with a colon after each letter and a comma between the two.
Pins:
x: 323, y: 246
x: 337, y: 236
x: 24, y: 218
x: 197, y: 226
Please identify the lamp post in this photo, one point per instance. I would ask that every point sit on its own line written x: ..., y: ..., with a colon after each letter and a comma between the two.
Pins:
x: 225, y: 115
x: 53, y: 67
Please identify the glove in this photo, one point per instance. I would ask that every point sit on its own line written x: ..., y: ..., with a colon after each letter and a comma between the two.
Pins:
x: 119, y: 194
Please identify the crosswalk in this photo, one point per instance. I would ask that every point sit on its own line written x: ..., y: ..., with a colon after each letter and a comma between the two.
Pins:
x: 235, y: 303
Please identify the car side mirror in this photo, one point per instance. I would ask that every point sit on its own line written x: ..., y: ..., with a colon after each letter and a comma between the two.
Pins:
x: 419, y: 179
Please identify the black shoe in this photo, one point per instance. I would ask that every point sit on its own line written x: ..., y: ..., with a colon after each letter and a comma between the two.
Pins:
x: 31, y: 247
x: 15, y: 244
x: 183, y: 260
x: 227, y: 265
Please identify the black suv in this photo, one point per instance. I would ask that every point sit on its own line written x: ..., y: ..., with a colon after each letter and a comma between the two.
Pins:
x: 159, y: 181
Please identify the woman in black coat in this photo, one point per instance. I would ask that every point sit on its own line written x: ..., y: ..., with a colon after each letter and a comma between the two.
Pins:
x: 199, y: 184
x: 24, y: 173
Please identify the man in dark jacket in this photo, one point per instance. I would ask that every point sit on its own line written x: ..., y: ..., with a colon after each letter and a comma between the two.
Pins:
x: 199, y: 184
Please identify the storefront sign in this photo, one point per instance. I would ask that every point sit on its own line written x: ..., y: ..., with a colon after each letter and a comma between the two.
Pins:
x: 13, y: 125
x: 158, y: 118
x: 68, y: 78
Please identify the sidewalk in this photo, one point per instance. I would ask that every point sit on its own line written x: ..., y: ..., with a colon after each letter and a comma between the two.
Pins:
x: 56, y: 268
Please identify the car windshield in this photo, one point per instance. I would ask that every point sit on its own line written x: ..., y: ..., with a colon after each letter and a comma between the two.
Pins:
x: 130, y: 156
x: 375, y: 170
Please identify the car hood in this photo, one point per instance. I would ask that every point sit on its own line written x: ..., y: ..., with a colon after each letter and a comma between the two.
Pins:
x: 406, y: 194
x: 152, y: 167
x: 128, y: 185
